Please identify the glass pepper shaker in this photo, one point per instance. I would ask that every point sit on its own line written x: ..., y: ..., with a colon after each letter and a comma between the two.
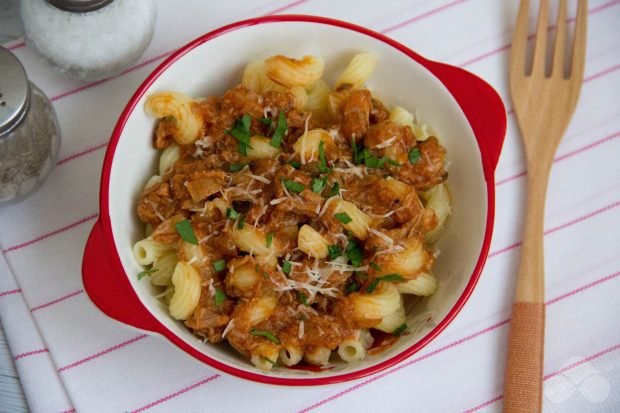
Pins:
x: 88, y: 39
x: 29, y: 132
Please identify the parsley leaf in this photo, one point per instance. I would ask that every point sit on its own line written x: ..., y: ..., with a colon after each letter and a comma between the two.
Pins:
x: 398, y: 331
x: 144, y: 273
x: 334, y: 251
x: 414, y: 155
x: 295, y: 164
x: 353, y: 287
x: 375, y: 266
x: 231, y: 213
x: 393, y: 162
x: 335, y: 190
x: 355, y: 152
x: 264, y: 333
x: 241, y: 132
x: 235, y: 167
x: 184, y: 228
x: 323, y: 160
x: 293, y: 186
x: 241, y: 222
x: 354, y: 253
x: 219, y: 265
x: 343, y: 217
x: 276, y: 139
x: 302, y: 297
x: 265, y: 121
x: 286, y: 267
x: 389, y: 277
x: 269, y: 239
x: 220, y: 297
x: 318, y: 184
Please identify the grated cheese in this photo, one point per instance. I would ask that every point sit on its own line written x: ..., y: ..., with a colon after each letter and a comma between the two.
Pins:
x: 358, y: 171
x: 278, y: 200
x: 387, y: 143
x: 211, y: 288
x: 258, y: 178
x: 259, y: 216
x: 326, y: 205
x: 229, y: 327
x: 303, y: 141
x: 381, y: 235
x: 152, y: 204
x: 301, y: 329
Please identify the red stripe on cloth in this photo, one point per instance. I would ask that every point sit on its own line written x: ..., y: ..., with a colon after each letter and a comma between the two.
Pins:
x: 176, y: 394
x: 58, y: 300
x: 422, y: 16
x: 561, y: 226
x: 603, y: 73
x: 548, y: 376
x: 82, y: 153
x: 50, y: 234
x: 16, y: 46
x: 505, y: 47
x: 30, y: 353
x: 286, y: 7
x: 451, y: 345
x: 102, y: 353
x: 68, y: 411
x: 10, y: 292
x: 566, y: 155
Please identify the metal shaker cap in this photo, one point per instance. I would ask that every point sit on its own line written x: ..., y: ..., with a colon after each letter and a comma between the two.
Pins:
x: 14, y: 92
x: 79, y: 6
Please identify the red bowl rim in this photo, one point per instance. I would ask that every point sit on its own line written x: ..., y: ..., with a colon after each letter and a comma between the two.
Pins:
x: 106, y: 227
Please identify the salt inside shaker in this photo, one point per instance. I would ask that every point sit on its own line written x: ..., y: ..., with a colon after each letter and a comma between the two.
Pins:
x: 29, y: 132
x: 88, y: 39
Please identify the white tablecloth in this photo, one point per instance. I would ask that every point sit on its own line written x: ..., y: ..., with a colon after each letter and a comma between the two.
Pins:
x: 71, y: 357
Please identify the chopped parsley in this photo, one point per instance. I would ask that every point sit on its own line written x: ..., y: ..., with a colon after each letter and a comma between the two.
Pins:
x: 295, y: 164
x: 334, y: 251
x: 318, y: 184
x: 293, y: 186
x: 144, y: 273
x: 286, y: 267
x: 219, y: 265
x: 231, y: 213
x: 354, y: 253
x: 264, y: 333
x: 375, y: 266
x: 389, y: 277
x: 302, y: 297
x: 184, y: 228
x: 235, y: 167
x: 241, y: 132
x: 355, y: 152
x: 276, y: 139
x: 398, y: 331
x: 414, y: 156
x: 353, y: 287
x: 323, y: 160
x: 343, y: 217
x: 335, y: 190
x: 220, y: 297
x: 269, y: 240
x: 241, y: 222
x: 392, y: 162
x: 265, y: 121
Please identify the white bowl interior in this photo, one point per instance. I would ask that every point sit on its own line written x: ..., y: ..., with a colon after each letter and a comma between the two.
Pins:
x: 216, y: 65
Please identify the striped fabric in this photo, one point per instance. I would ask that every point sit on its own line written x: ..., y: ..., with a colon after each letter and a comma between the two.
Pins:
x: 70, y: 357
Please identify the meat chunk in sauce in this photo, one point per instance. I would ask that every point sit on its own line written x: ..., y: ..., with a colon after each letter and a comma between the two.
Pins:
x: 356, y: 113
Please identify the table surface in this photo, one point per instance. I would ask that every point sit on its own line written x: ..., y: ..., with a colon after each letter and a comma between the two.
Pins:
x: 11, y: 395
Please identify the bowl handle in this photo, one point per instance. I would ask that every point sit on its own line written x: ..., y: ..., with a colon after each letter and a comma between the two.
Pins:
x: 110, y: 289
x: 482, y: 106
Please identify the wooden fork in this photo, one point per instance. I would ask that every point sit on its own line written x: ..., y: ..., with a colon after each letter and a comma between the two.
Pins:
x: 544, y: 102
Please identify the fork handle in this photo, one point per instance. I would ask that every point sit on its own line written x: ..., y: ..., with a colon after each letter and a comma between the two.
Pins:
x: 524, y: 371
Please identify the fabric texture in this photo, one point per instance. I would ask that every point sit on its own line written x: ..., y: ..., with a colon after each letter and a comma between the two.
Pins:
x: 72, y: 357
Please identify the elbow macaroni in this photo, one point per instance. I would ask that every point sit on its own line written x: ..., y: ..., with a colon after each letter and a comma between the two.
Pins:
x: 358, y: 71
x: 179, y: 106
x: 186, y: 282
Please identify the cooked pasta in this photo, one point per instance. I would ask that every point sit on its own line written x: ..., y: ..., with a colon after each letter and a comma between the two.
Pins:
x: 358, y: 71
x: 289, y: 218
x: 186, y: 282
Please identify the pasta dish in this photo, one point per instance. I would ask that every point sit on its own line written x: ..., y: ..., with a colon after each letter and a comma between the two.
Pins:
x: 290, y: 218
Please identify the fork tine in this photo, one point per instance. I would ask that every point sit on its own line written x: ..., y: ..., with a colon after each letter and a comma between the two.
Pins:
x: 579, y: 46
x: 560, y: 42
x: 519, y: 41
x: 540, y: 49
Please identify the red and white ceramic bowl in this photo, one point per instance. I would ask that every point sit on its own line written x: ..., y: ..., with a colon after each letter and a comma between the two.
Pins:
x: 466, y: 112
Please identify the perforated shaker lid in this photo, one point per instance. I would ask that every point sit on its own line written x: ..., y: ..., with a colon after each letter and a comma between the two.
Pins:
x: 79, y: 6
x: 14, y: 92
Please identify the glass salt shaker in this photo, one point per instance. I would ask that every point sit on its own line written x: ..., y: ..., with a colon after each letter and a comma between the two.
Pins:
x: 88, y: 39
x: 29, y: 132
